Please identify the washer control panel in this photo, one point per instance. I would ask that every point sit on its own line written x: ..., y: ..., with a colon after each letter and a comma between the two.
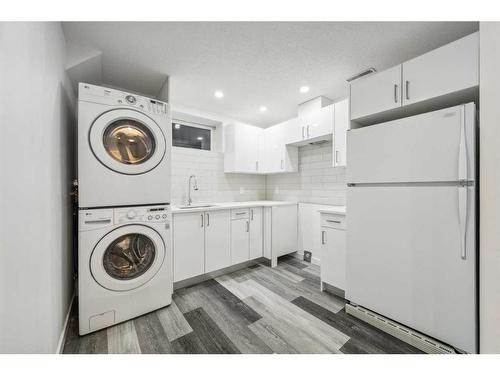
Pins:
x: 97, y: 94
x: 150, y: 214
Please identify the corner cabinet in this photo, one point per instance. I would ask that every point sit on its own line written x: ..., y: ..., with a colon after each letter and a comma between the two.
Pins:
x: 446, y: 76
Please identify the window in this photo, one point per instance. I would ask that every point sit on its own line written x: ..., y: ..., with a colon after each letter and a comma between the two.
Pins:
x: 191, y: 136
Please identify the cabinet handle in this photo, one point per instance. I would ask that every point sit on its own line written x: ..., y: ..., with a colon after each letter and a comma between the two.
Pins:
x: 248, y: 226
x: 395, y: 93
x: 202, y: 216
x: 240, y: 213
x: 303, y: 136
x: 334, y: 221
x: 208, y: 220
x: 323, y: 237
x: 252, y: 214
x: 307, y: 131
x: 407, y: 90
x: 337, y: 156
x: 281, y: 163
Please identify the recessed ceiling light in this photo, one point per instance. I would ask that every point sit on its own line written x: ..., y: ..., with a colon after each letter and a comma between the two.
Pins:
x: 263, y: 108
x: 304, y: 89
x: 219, y: 94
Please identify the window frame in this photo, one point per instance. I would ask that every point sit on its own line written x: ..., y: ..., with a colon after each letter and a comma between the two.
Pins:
x: 194, y: 125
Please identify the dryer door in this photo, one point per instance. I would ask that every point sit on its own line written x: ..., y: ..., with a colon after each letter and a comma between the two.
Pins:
x: 127, y: 141
x: 127, y: 257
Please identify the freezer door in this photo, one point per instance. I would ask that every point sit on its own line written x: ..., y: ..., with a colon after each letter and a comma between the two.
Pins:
x: 435, y: 146
x: 405, y: 258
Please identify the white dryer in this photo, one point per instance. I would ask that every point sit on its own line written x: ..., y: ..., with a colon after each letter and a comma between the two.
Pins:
x: 124, y: 264
x: 124, y: 144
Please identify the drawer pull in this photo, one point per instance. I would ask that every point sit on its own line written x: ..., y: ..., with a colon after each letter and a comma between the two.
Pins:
x: 334, y: 221
x: 240, y: 213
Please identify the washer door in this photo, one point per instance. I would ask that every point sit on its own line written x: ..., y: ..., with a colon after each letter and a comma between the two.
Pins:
x: 127, y: 141
x: 127, y: 257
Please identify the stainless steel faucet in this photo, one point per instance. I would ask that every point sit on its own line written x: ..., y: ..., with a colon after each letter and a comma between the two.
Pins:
x: 195, y: 187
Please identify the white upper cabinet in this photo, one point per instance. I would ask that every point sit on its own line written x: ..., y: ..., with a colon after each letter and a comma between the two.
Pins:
x: 446, y: 76
x: 445, y: 70
x: 241, y: 154
x: 376, y: 93
x: 314, y: 123
x: 341, y: 125
x: 280, y: 157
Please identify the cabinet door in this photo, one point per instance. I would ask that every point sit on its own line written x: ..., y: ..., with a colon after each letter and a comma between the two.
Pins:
x: 333, y: 264
x: 448, y: 69
x: 240, y: 241
x: 247, y: 148
x: 376, y: 93
x: 256, y: 229
x: 321, y: 122
x: 217, y: 240
x: 293, y: 131
x: 189, y: 244
x: 341, y: 125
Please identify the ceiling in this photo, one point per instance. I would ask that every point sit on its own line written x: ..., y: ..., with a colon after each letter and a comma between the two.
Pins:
x: 254, y: 63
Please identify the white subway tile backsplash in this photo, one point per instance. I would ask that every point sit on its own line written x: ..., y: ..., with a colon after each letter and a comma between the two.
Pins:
x: 315, y: 182
x: 214, y: 185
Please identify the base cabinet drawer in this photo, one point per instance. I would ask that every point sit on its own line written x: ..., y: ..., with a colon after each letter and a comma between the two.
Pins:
x: 333, y: 261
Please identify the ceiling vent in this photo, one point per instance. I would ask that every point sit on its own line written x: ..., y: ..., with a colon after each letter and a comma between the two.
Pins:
x: 361, y: 74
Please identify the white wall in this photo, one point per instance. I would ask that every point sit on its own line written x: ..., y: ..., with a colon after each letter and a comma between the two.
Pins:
x: 36, y: 168
x: 489, y: 140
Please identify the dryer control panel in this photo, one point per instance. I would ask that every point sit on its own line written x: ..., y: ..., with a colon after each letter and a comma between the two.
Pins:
x: 153, y: 214
x: 104, y: 95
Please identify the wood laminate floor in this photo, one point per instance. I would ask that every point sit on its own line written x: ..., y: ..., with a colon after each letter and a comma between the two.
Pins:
x: 254, y: 310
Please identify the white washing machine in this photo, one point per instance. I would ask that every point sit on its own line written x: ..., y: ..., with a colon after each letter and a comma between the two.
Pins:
x: 124, y: 146
x: 124, y: 264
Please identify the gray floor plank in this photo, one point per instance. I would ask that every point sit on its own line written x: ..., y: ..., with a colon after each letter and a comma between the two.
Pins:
x: 363, y: 337
x: 151, y: 335
x: 173, y: 322
x: 122, y: 339
x: 273, y: 339
x: 209, y: 334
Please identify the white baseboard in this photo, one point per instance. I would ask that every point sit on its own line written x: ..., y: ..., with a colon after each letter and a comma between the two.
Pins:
x: 314, y: 260
x: 62, y: 337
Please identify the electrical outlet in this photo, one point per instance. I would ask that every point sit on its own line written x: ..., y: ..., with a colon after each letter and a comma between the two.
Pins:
x: 307, y: 256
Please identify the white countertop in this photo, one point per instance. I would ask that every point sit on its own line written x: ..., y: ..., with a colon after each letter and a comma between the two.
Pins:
x: 338, y: 210
x: 228, y: 205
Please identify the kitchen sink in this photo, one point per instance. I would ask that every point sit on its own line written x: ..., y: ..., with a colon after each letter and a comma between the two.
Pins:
x: 197, y: 206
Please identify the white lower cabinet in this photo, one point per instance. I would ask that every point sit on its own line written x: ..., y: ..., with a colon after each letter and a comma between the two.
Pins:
x: 256, y: 231
x: 217, y: 240
x: 201, y: 243
x: 189, y: 245
x: 333, y: 249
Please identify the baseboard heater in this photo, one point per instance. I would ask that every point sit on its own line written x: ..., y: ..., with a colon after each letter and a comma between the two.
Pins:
x: 414, y: 338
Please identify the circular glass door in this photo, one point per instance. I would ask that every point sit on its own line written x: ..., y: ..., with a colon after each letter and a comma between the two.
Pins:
x: 127, y: 141
x: 127, y: 257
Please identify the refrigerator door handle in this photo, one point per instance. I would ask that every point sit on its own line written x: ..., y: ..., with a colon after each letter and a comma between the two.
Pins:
x: 462, y: 149
x: 462, y: 219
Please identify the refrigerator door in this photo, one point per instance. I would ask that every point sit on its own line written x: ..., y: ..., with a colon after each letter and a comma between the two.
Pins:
x: 435, y: 146
x: 406, y: 260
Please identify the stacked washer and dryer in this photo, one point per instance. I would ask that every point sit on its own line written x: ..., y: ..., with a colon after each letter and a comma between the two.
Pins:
x: 125, y: 252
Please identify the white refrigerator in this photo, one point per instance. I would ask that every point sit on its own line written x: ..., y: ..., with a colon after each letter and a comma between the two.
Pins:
x: 411, y: 223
